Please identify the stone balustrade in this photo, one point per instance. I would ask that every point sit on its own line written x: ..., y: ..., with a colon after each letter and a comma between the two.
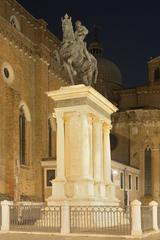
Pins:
x: 124, y: 221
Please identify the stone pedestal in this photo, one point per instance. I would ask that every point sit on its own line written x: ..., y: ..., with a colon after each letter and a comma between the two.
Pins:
x: 83, y: 147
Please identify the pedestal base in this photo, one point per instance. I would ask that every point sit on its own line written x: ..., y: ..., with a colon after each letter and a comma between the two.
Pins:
x: 82, y: 193
x: 80, y: 189
x: 110, y: 191
x: 58, y: 190
x: 83, y: 202
x: 99, y: 188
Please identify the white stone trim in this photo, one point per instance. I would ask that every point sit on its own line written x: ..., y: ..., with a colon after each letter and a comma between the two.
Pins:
x: 26, y: 110
x: 120, y: 167
x: 49, y: 163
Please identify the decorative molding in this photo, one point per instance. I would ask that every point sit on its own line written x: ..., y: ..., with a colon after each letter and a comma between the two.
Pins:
x: 139, y: 90
x: 137, y: 117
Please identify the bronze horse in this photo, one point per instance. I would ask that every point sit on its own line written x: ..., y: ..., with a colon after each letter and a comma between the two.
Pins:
x: 72, y: 57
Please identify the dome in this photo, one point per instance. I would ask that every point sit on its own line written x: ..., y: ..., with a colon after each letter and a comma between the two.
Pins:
x: 108, y: 72
x: 109, y: 76
x: 96, y: 49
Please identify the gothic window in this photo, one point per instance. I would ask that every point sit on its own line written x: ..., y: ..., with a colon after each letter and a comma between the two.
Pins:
x: 22, y: 136
x: 25, y: 136
x: 148, y: 172
x: 157, y: 74
x: 49, y: 138
x: 14, y: 22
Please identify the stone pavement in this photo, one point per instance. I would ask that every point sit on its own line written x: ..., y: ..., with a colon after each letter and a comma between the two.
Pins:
x: 29, y: 236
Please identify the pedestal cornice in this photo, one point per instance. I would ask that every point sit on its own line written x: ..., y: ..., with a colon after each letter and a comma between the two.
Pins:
x: 79, y: 95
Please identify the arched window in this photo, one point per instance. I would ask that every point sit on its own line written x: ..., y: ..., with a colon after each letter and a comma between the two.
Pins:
x: 157, y: 74
x: 22, y: 136
x: 148, y: 172
x: 49, y: 138
x: 15, y: 23
x: 25, y: 136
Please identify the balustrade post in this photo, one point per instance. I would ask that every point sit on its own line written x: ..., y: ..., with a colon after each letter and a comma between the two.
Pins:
x: 154, y: 206
x: 136, y: 228
x: 65, y: 219
x: 6, y: 215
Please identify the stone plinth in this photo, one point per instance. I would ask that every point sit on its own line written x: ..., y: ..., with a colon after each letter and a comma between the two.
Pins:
x: 83, y: 147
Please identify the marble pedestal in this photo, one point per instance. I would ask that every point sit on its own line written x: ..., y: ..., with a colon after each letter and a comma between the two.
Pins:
x: 83, y: 147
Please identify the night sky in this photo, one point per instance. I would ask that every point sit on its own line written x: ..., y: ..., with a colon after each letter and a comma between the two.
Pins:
x: 129, y: 30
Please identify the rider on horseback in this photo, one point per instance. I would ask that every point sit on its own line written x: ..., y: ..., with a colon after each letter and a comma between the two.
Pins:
x: 73, y: 54
x: 80, y: 34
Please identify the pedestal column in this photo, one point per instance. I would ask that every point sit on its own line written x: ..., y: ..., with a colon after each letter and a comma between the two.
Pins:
x: 85, y: 147
x: 78, y: 155
x: 110, y: 187
x: 60, y: 175
x: 58, y: 184
x: 98, y: 158
x: 106, y: 153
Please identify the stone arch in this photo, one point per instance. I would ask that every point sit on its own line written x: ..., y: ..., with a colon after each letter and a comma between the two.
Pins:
x: 148, y: 143
x: 26, y: 110
x: 15, y: 23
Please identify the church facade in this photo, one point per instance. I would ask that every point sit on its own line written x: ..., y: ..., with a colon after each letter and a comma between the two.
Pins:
x: 27, y: 71
x: 28, y: 130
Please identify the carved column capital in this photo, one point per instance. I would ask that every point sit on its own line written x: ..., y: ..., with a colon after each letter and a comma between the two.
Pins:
x: 107, y: 126
x: 59, y: 114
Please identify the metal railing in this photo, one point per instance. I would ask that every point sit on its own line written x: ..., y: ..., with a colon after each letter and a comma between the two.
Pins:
x: 146, y: 218
x: 37, y: 218
x: 100, y: 219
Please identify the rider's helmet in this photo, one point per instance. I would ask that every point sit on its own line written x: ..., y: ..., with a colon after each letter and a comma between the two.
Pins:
x: 78, y: 23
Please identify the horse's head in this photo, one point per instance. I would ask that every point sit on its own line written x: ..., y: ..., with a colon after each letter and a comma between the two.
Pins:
x: 68, y: 34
